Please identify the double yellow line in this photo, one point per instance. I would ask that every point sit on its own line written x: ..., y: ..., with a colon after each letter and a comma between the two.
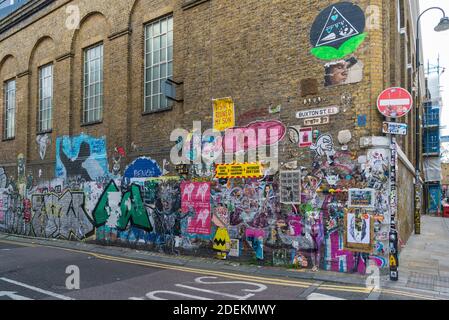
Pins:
x: 234, y: 276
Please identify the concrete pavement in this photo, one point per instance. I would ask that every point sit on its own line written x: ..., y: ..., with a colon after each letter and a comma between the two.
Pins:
x: 424, y: 261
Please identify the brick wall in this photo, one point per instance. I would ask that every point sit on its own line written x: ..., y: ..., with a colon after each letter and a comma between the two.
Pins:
x: 257, y: 52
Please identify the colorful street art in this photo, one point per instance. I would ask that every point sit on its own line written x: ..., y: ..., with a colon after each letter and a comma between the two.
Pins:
x: 142, y: 167
x: 62, y: 217
x: 81, y: 156
x: 196, y: 199
x: 337, y: 31
x: 297, y: 217
x: 116, y: 209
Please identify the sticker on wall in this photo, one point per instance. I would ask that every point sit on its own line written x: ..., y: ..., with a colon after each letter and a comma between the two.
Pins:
x: 394, y: 128
x: 317, y: 121
x: 223, y: 113
x: 293, y: 134
x: 238, y: 170
x: 274, y: 109
x: 343, y: 72
x: 290, y: 187
x: 234, y: 248
x: 305, y: 137
x: 324, y: 146
x: 362, y: 198
x: 359, y: 231
x: 361, y: 120
x: 338, y: 31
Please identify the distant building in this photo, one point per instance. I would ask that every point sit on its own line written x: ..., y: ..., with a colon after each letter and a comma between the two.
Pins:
x: 432, y: 140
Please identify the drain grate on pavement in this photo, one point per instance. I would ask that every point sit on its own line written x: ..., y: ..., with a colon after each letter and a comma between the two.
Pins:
x: 422, y: 281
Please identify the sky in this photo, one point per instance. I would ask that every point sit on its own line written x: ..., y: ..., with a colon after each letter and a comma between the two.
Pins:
x: 434, y: 44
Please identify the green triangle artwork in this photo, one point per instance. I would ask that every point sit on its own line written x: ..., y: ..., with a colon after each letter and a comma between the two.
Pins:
x: 338, y: 31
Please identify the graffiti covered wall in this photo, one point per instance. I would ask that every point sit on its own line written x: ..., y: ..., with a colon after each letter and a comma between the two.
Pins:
x: 316, y: 201
x: 328, y: 213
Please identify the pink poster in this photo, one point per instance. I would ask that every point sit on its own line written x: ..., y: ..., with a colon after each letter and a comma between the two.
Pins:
x: 196, y: 198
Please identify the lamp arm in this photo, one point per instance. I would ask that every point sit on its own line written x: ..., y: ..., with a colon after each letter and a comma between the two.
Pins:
x: 418, y: 62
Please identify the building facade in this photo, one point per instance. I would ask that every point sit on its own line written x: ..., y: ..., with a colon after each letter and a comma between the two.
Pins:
x: 433, y: 108
x: 93, y: 150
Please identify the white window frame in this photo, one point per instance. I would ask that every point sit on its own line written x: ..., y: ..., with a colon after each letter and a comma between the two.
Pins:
x: 45, y: 98
x: 93, y: 82
x: 9, y: 122
x: 158, y: 62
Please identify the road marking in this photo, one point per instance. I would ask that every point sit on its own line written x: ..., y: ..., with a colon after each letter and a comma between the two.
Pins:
x: 48, y: 293
x: 249, y: 295
x: 13, y: 295
x: 275, y: 281
x: 374, y: 295
x: 311, y: 289
x: 152, y: 295
x: 343, y: 289
x: 319, y: 296
x: 261, y: 287
x: 410, y: 294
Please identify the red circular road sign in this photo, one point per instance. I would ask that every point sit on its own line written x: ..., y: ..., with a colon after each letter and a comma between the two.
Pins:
x: 395, y: 102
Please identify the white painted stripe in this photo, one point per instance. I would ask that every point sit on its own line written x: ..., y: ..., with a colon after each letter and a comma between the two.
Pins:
x: 318, y: 296
x: 48, y: 293
x: 217, y: 293
x: 152, y: 295
x: 394, y: 102
x: 13, y: 295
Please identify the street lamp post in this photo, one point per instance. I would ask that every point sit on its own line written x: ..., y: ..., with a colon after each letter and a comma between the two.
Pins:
x: 442, y: 26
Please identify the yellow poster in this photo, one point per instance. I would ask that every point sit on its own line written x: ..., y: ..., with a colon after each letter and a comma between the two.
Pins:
x: 238, y: 170
x: 224, y: 114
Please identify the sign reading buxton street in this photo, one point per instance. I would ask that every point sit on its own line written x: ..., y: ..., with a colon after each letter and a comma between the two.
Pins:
x: 395, y: 102
x: 317, y: 112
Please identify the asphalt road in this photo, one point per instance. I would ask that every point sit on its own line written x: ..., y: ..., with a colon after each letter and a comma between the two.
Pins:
x: 34, y: 272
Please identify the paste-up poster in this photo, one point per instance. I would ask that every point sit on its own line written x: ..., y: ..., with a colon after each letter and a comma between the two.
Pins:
x: 359, y: 231
x: 196, y: 200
